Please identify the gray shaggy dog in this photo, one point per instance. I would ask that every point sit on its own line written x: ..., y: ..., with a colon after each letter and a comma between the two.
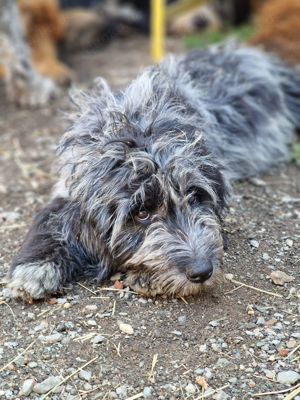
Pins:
x: 146, y: 173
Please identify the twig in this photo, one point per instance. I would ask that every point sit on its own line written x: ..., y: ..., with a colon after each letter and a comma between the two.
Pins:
x: 234, y: 289
x: 113, y: 309
x: 294, y: 350
x: 18, y: 356
x: 11, y: 310
x: 49, y: 310
x: 254, y: 288
x: 68, y: 377
x: 86, y: 288
x: 292, y: 395
x: 117, y: 290
x: 154, y: 361
x: 204, y: 396
x: 136, y: 396
x: 276, y: 392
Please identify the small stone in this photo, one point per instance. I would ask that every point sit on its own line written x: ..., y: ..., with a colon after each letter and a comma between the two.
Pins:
x: 221, y: 395
x: 122, y: 391
x: 91, y: 322
x: 190, y: 388
x: 66, y: 306
x: 288, y: 377
x: 265, y: 256
x: 91, y: 307
x: 270, y: 374
x: 214, y: 323
x: 54, y: 338
x: 291, y: 343
x: 296, y: 335
x: 85, y: 375
x: 177, y: 333
x: 203, y: 348
x: 27, y: 387
x: 32, y: 364
x: 182, y: 319
x: 260, y: 321
x: 46, y: 385
x: 254, y: 243
x: 283, y: 352
x: 98, y: 339
x: 222, y: 362
x: 125, y: 328
x: 289, y: 242
x: 280, y: 278
x: 147, y: 392
x: 9, y: 216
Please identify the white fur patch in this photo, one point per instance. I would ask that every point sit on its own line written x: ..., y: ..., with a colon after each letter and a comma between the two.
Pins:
x: 35, y: 280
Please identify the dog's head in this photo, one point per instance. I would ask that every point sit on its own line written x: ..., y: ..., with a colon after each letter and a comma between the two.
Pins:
x: 154, y: 199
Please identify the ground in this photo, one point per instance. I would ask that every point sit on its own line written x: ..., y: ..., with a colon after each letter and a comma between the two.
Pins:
x: 238, y: 341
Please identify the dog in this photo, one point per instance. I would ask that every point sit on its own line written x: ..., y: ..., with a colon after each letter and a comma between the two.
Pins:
x: 146, y: 173
x: 24, y: 85
x: 278, y: 29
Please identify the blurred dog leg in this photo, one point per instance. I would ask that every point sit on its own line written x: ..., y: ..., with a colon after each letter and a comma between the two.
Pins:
x: 24, y: 86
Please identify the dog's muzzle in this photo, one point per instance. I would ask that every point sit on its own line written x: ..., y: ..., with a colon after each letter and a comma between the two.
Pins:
x: 201, y: 272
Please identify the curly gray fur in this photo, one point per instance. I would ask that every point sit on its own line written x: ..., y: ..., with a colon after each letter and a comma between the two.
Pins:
x: 145, y: 174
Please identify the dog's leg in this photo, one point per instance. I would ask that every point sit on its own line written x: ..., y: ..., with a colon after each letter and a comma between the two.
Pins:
x: 48, y: 258
x: 24, y: 85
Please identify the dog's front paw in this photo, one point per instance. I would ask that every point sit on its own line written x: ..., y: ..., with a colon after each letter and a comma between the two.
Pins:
x: 33, y: 281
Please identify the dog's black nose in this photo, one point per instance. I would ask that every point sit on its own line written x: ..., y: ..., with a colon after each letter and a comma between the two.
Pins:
x: 201, y: 274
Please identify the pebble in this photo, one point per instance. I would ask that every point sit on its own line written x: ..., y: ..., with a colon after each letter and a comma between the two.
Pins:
x: 32, y: 364
x: 214, y: 323
x: 122, y: 391
x: 85, y: 375
x: 46, y: 385
x: 125, y: 328
x: 254, y: 243
x: 91, y: 322
x: 27, y: 387
x: 280, y: 278
x: 190, y: 388
x: 222, y: 363
x: 91, y: 307
x: 147, y: 392
x: 54, y: 338
x: 182, y: 319
x: 10, y: 216
x: 98, y: 339
x: 221, y: 395
x: 288, y: 377
x: 289, y: 242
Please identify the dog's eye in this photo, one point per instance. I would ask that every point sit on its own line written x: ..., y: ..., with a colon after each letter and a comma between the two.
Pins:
x: 143, y: 215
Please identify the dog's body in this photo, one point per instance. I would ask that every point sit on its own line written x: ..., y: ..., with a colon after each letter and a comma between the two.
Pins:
x: 146, y: 173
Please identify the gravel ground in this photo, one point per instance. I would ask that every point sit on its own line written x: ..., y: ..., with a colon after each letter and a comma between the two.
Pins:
x: 103, y: 343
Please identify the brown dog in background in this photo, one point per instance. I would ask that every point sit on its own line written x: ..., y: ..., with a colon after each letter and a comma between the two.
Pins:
x: 278, y: 29
x: 44, y: 28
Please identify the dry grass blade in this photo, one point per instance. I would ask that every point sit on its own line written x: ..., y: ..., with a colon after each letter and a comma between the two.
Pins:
x: 256, y: 289
x: 278, y: 392
x: 117, y: 290
x: 154, y: 362
x: 11, y: 310
x: 68, y: 377
x: 49, y: 310
x: 113, y: 309
x: 86, y: 288
x: 204, y: 396
x: 294, y: 350
x: 19, y: 355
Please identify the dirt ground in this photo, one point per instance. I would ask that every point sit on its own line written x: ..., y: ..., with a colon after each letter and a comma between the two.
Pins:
x: 240, y: 342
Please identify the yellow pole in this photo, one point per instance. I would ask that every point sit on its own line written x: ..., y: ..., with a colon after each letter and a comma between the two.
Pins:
x: 157, y: 29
